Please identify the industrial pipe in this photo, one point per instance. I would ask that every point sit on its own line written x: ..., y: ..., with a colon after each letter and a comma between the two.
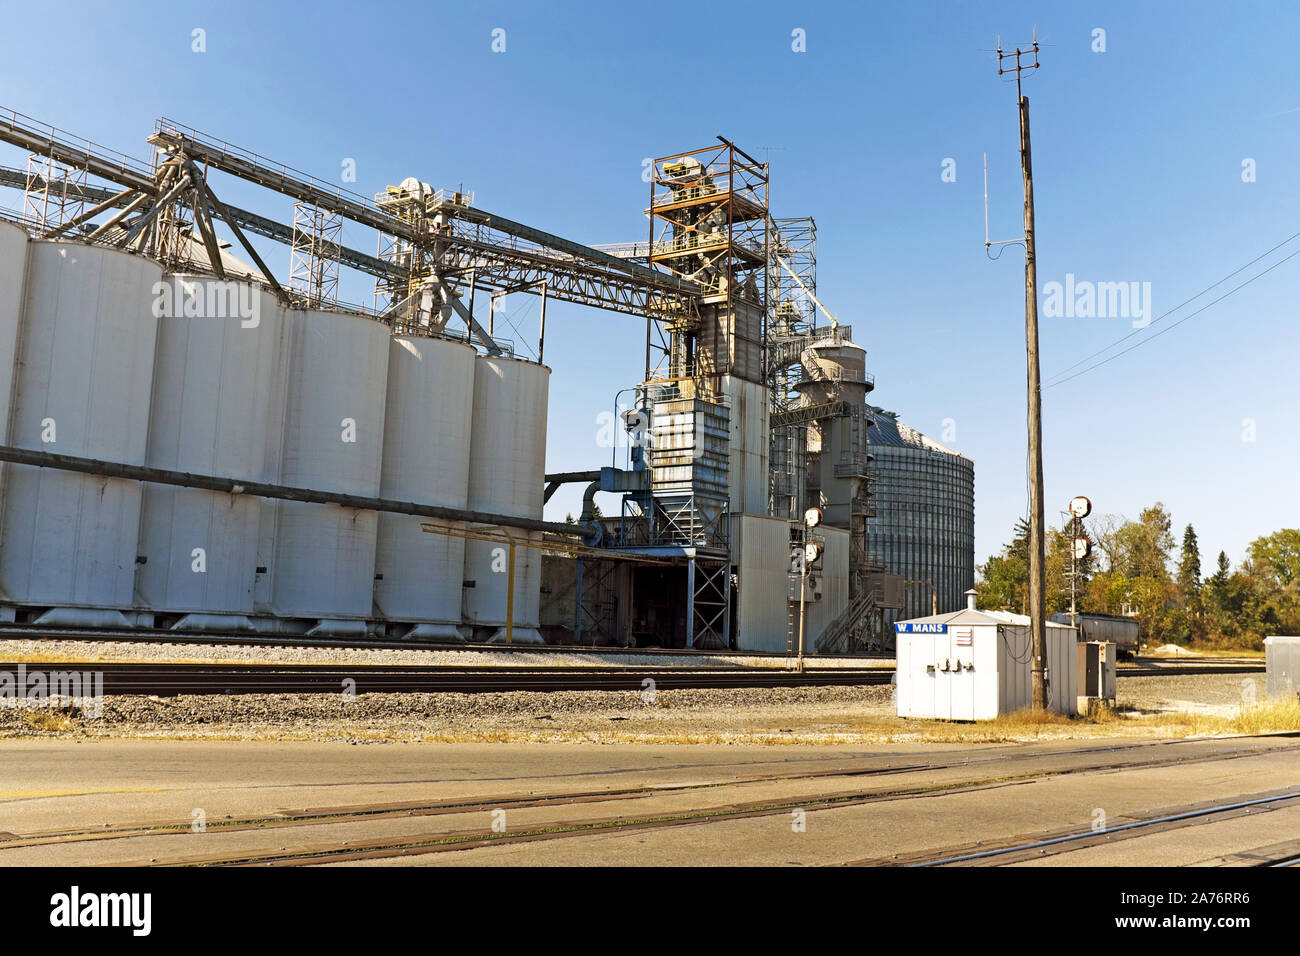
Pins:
x: 234, y: 486
x: 553, y: 482
x: 589, y: 502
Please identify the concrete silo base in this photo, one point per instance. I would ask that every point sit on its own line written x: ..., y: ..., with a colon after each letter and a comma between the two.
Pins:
x: 82, y: 617
x: 521, y: 635
x: 330, y: 628
x: 213, y: 623
x: 444, y: 633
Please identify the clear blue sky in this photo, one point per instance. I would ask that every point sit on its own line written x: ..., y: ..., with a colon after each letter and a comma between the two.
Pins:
x: 1138, y: 157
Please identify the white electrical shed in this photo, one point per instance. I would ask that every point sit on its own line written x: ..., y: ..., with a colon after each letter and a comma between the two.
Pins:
x: 975, y: 665
x: 1282, y: 663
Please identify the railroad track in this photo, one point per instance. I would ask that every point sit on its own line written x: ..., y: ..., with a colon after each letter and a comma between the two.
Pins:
x: 1142, y: 668
x: 1021, y: 849
x: 244, y: 639
x: 166, y: 680
x: 284, y: 825
x: 1188, y: 670
x: 172, y: 679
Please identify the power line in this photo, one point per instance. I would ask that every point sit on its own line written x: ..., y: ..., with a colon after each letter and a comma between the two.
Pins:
x: 1166, y: 315
x: 1175, y: 325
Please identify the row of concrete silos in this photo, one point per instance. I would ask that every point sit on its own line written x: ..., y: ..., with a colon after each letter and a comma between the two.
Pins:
x: 103, y: 356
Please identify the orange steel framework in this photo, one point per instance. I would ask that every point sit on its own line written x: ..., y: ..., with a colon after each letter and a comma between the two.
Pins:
x: 709, y: 224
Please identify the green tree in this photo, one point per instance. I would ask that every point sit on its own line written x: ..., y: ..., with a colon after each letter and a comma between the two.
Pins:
x: 1190, y: 621
x: 1220, y: 576
x: 1189, y: 564
x: 1004, y: 577
x: 1145, y: 544
x: 1140, y: 552
x: 1279, y: 553
x: 1060, y: 563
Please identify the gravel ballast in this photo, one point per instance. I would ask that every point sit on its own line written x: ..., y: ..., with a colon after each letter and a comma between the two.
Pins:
x: 763, y: 715
x: 198, y: 652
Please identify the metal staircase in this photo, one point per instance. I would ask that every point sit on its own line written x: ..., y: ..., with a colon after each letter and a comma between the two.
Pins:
x: 851, y: 631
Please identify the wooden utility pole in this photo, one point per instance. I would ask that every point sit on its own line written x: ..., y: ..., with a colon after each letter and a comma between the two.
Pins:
x: 1037, y: 531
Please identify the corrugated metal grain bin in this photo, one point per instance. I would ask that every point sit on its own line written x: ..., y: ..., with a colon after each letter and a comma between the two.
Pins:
x: 1282, y: 661
x: 975, y: 665
x: 924, y: 522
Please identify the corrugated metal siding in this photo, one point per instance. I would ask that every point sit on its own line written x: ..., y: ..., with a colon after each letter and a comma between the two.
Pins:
x: 763, y: 546
x: 748, y: 445
x: 924, y: 527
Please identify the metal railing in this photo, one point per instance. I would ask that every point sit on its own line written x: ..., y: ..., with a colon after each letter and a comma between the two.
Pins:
x: 45, y: 140
x: 217, y: 149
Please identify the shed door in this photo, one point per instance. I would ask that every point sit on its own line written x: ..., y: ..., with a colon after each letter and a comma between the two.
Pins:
x: 962, y: 676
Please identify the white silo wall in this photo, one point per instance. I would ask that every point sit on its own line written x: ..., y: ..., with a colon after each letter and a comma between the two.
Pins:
x: 324, y: 560
x: 425, y: 459
x: 218, y: 348
x: 269, y: 508
x: 507, y: 471
x: 13, y: 272
x: 85, y: 374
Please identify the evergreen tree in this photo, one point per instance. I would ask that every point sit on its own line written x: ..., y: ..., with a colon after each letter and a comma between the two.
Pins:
x: 1189, y: 565
x: 1220, y: 577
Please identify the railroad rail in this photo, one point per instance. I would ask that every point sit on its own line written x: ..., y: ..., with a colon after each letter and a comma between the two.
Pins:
x: 1208, y: 666
x: 1014, y: 852
x: 31, y: 632
x: 169, y: 680
x: 290, y: 840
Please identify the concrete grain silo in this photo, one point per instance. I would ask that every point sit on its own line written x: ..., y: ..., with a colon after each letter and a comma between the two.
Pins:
x: 219, y: 343
x: 507, y: 468
x: 13, y: 275
x: 82, y: 387
x: 426, y: 459
x: 322, y: 562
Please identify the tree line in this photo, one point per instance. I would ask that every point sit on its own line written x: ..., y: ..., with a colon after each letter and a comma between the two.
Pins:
x: 1135, y: 568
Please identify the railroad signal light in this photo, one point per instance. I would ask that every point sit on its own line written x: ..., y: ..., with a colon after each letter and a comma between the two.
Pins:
x: 812, y: 553
x: 812, y: 517
x: 1082, y: 548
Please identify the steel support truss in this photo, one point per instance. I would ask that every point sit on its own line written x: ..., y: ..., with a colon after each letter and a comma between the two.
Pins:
x: 595, y: 618
x: 708, y: 590
x: 314, y: 255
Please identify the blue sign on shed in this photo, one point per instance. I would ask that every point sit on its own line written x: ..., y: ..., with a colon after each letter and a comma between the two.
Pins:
x: 911, y: 628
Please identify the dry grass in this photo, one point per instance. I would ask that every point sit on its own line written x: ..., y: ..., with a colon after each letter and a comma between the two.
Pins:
x: 1268, y: 717
x: 842, y: 723
x: 48, y: 721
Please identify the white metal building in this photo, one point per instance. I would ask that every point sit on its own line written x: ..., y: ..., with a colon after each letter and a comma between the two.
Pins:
x: 975, y: 665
